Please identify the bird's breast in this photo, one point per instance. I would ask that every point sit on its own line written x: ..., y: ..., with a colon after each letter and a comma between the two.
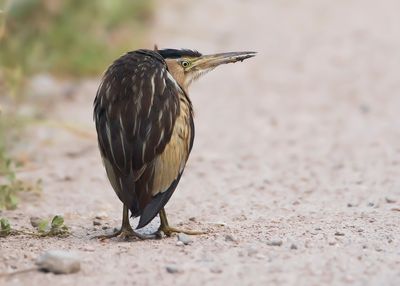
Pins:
x: 171, y: 162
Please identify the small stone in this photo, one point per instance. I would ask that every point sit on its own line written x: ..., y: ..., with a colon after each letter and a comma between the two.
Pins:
x: 89, y: 248
x: 229, y: 237
x: 35, y: 221
x: 390, y: 200
x: 371, y: 204
x: 364, y: 108
x: 216, y: 269
x: 101, y: 215
x: 338, y: 233
x: 192, y: 218
x: 173, y: 269
x: 105, y: 227
x: 184, y: 238
x: 219, y: 223
x: 251, y: 251
x: 59, y: 262
x: 293, y: 246
x: 96, y: 222
x: 67, y: 178
x: 179, y: 243
x: 332, y: 242
x: 274, y: 242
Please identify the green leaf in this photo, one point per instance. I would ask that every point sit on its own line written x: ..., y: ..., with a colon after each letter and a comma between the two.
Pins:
x: 5, y: 227
x: 12, y: 202
x: 57, y: 222
x: 43, y: 226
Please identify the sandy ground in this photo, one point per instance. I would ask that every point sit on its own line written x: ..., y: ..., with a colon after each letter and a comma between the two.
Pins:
x: 300, y: 145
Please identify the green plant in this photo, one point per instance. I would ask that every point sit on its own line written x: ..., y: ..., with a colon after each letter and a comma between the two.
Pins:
x: 69, y: 37
x: 10, y: 185
x: 44, y: 228
x: 55, y: 228
x: 5, y: 227
x: 8, y: 192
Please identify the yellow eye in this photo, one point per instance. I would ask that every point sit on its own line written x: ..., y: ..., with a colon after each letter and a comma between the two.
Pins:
x: 185, y: 64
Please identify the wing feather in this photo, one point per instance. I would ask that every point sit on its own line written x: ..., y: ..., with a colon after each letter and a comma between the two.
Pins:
x: 135, y: 110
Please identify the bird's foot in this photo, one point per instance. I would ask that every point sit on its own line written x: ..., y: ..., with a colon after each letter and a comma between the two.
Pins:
x: 169, y: 230
x: 127, y: 234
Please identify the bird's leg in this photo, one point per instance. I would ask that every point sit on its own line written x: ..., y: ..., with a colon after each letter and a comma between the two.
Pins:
x: 168, y: 230
x: 126, y: 232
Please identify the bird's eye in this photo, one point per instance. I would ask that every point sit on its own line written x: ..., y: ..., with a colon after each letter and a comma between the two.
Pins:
x: 185, y: 64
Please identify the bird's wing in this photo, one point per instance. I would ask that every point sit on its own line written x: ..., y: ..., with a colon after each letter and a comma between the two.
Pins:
x: 136, y: 107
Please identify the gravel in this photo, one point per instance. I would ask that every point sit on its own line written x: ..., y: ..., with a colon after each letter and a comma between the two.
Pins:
x: 338, y: 233
x: 96, y: 222
x: 229, y: 237
x: 184, y: 238
x: 274, y: 242
x: 59, y: 262
x: 173, y: 269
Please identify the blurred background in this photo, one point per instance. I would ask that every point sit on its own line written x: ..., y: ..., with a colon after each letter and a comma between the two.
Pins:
x: 299, y: 145
x: 47, y: 47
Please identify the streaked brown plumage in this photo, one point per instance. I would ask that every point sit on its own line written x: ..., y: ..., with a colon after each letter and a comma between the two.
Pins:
x: 144, y: 122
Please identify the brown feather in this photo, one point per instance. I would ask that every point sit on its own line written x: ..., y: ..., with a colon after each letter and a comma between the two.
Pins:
x: 145, y: 129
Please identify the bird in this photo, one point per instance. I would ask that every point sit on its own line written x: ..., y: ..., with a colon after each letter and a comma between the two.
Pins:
x: 145, y: 129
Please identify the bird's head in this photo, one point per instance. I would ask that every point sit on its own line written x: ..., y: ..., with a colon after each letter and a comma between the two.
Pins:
x: 187, y: 65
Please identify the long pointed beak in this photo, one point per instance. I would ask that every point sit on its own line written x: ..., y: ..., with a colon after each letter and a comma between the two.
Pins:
x: 211, y: 61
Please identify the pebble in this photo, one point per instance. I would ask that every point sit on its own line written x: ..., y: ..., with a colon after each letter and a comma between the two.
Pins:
x: 96, y: 222
x: 219, y: 223
x: 274, y: 242
x: 179, y: 243
x: 251, y: 251
x: 101, y: 215
x: 229, y: 237
x: 59, y: 262
x: 390, y: 200
x: 89, y: 248
x: 35, y: 221
x: 216, y: 269
x: 338, y: 233
x: 173, y: 269
x: 184, y: 238
x: 293, y: 246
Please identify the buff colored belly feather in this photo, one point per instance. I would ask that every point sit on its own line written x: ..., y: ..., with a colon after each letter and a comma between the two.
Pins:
x: 172, y: 161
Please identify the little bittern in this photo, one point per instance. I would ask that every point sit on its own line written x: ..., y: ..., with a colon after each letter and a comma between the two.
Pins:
x: 144, y: 123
